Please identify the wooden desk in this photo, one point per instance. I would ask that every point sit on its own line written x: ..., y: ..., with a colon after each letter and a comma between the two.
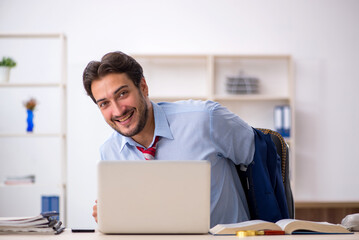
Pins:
x: 68, y: 235
x: 332, y: 212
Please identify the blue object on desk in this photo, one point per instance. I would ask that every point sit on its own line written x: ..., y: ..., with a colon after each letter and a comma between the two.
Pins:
x: 50, y: 203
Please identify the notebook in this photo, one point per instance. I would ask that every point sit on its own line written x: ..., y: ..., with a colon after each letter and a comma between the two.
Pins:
x: 154, y: 197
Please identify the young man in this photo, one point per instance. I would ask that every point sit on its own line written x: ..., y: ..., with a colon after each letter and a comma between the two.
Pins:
x: 184, y: 130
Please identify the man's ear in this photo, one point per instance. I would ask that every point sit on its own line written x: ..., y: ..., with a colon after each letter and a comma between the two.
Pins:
x: 144, y: 87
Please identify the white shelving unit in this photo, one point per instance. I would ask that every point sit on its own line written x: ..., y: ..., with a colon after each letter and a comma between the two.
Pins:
x: 204, y: 77
x: 41, y: 73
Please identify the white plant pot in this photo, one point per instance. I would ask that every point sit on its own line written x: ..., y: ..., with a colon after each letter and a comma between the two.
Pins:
x: 4, y: 74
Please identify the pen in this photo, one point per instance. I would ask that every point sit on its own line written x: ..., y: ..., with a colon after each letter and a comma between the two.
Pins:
x: 270, y: 232
x: 82, y: 230
x: 248, y: 233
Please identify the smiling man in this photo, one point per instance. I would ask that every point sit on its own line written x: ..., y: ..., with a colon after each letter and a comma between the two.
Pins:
x: 124, y: 106
x: 183, y: 130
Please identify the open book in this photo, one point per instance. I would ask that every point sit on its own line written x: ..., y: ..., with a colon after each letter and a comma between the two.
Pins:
x: 44, y: 223
x: 290, y: 226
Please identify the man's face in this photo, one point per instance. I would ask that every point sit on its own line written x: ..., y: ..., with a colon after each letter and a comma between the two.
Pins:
x: 122, y: 104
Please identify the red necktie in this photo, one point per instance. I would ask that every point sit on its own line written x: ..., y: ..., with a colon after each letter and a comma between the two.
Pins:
x: 150, y: 152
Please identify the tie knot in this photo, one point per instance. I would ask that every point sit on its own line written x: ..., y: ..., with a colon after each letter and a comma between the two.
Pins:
x: 150, y: 152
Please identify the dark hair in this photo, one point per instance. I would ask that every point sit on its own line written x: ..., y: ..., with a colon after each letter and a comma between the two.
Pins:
x: 113, y: 62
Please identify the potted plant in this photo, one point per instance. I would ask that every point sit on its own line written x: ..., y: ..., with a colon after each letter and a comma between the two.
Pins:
x: 5, y: 65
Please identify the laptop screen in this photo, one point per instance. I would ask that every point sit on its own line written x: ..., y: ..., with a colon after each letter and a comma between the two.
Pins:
x: 154, y: 196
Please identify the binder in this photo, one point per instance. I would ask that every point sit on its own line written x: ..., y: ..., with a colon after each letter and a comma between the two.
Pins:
x: 50, y: 204
x: 286, y: 121
x: 278, y: 120
x: 282, y: 120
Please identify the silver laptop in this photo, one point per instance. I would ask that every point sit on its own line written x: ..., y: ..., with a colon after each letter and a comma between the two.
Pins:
x: 154, y: 196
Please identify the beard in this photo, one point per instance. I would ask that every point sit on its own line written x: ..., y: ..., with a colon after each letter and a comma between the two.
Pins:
x: 143, y: 115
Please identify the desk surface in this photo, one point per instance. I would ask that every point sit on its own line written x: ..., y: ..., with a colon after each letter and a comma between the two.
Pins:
x: 68, y: 235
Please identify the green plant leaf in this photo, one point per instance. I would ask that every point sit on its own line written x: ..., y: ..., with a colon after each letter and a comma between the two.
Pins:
x: 7, y: 62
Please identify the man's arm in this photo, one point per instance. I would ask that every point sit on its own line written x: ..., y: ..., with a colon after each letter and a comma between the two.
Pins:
x: 233, y: 137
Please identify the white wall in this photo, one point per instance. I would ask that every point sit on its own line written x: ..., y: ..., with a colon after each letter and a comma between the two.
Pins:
x: 321, y: 35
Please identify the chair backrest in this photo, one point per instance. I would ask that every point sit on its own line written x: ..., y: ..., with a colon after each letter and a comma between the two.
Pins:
x: 283, y: 152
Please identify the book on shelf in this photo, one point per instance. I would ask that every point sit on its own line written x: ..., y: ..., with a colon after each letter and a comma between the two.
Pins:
x: 45, y: 223
x: 289, y: 226
x: 242, y: 84
x: 282, y: 120
x: 19, y: 180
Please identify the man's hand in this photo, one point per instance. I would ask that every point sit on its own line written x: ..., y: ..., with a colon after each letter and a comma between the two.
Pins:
x: 94, y: 213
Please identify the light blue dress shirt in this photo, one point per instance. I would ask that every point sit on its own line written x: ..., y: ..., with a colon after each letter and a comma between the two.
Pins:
x: 198, y: 130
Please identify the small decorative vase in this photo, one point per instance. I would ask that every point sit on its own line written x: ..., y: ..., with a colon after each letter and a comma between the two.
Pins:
x: 4, y: 74
x: 30, y: 118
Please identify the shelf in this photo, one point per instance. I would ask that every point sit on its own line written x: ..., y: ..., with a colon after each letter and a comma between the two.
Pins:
x: 32, y: 35
x: 173, y: 77
x: 32, y: 85
x: 250, y: 97
x: 173, y: 56
x: 175, y: 98
x: 30, y: 185
x: 251, y: 56
x: 29, y: 152
x: 32, y: 135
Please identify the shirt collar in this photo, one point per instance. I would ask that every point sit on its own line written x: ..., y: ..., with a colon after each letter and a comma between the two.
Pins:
x: 162, y: 128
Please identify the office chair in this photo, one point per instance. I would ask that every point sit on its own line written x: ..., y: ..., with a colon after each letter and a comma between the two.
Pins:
x: 283, y: 152
x: 261, y: 205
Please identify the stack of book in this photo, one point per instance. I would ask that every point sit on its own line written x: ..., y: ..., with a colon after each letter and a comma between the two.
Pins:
x: 45, y: 223
x: 19, y: 180
x: 242, y: 84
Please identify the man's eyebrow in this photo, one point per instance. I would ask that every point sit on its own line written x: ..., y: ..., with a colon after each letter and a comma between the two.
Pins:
x: 117, y: 90
x: 100, y: 100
